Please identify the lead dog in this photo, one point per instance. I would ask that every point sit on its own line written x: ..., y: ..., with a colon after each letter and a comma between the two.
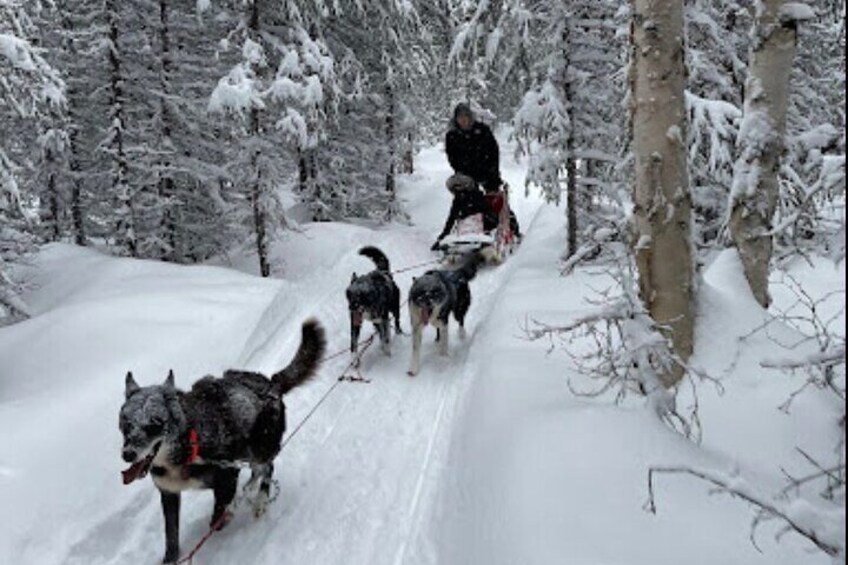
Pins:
x: 196, y: 439
x: 436, y: 295
x: 374, y: 297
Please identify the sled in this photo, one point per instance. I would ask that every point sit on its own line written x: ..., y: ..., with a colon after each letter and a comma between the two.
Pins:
x: 468, y: 234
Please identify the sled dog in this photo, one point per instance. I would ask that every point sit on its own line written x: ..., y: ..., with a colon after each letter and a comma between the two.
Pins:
x: 436, y: 295
x: 373, y: 297
x: 199, y: 438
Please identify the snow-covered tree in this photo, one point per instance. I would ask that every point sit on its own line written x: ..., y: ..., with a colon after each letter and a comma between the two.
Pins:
x: 717, y: 40
x: 383, y: 58
x: 755, y: 191
x: 281, y: 89
x: 813, y: 168
x: 30, y: 89
x: 568, y: 59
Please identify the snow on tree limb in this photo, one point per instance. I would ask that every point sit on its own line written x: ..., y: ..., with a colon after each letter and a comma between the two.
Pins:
x: 823, y: 527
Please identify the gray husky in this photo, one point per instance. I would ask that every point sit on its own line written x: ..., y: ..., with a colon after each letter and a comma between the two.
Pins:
x: 373, y: 297
x: 200, y: 438
x: 436, y: 295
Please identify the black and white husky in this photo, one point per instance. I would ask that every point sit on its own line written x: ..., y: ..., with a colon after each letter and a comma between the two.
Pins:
x: 374, y: 297
x: 198, y: 439
x: 436, y: 295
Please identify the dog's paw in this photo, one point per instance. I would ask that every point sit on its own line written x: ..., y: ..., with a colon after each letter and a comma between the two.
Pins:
x: 412, y: 372
x: 220, y: 521
x: 171, y: 558
x: 260, y: 505
x: 462, y: 333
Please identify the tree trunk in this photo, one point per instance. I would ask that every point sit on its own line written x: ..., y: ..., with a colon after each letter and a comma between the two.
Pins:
x: 77, y: 215
x: 55, y: 228
x: 166, y: 181
x: 662, y: 202
x: 125, y: 225
x: 754, y: 194
x: 310, y: 191
x: 77, y: 212
x: 570, y: 161
x: 391, y: 143
x: 408, y: 157
x: 260, y: 216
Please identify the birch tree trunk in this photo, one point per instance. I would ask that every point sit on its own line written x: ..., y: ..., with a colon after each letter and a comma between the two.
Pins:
x: 754, y: 194
x: 661, y: 195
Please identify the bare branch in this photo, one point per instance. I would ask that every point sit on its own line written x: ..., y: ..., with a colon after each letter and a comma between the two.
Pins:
x: 739, y: 488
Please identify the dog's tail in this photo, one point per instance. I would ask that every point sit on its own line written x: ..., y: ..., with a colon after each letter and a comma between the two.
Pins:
x: 469, y: 264
x: 377, y: 256
x: 306, y: 360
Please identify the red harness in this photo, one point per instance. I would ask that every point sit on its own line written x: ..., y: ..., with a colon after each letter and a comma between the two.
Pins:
x: 195, y: 446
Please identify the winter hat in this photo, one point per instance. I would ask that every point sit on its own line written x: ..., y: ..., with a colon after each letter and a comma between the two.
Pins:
x: 462, y: 108
x: 459, y: 182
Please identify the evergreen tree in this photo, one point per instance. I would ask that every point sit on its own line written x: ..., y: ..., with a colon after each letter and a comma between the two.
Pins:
x: 31, y: 93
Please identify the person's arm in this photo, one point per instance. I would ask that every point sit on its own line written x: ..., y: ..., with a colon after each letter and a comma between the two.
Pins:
x: 491, y: 153
x: 494, y: 150
x: 452, y: 217
x: 452, y: 150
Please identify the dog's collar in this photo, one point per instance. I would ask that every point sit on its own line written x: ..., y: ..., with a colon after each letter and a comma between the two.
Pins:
x: 194, y: 444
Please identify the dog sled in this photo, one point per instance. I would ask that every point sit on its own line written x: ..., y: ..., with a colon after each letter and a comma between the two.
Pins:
x: 468, y: 234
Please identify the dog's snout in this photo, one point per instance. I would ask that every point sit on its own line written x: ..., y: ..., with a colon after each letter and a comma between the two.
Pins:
x: 128, y: 455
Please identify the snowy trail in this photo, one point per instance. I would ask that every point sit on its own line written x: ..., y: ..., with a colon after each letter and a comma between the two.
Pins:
x: 357, y: 478
x: 484, y: 458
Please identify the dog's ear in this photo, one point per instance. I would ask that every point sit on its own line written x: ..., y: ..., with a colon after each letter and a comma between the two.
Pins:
x: 131, y: 386
x: 169, y: 380
x: 353, y: 277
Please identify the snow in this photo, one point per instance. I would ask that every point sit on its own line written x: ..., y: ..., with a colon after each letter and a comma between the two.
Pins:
x: 484, y: 457
x: 236, y: 92
x: 17, y: 51
x: 796, y: 11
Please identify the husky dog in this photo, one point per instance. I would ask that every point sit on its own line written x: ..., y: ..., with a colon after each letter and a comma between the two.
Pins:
x: 433, y: 297
x: 373, y: 297
x: 198, y: 439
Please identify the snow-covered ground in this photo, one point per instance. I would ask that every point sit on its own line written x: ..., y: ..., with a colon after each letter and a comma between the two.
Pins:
x: 483, y: 458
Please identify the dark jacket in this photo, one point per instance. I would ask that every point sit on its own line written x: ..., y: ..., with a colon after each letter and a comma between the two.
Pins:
x: 474, y: 152
x: 467, y: 203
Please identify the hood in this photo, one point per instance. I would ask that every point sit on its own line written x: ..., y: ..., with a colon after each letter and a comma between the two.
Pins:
x: 462, y: 108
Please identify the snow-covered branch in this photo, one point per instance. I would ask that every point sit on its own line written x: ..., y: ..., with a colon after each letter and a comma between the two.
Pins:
x: 627, y: 351
x: 824, y: 527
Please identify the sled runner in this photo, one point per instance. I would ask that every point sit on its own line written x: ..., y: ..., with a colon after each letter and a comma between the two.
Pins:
x: 468, y: 234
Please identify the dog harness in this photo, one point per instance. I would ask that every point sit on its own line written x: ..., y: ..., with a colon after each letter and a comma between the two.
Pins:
x: 195, y: 446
